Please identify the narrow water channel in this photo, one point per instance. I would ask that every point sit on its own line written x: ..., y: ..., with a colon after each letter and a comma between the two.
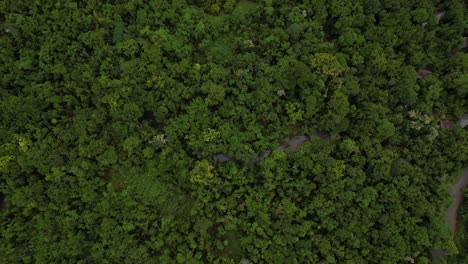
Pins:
x: 457, y: 194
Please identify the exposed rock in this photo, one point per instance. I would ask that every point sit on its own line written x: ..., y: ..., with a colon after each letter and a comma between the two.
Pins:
x: 464, y: 121
x: 446, y: 123
x: 440, y: 14
x: 423, y: 73
x: 221, y: 157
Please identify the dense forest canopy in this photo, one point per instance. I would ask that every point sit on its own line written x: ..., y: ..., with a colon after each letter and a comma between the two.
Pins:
x: 224, y: 131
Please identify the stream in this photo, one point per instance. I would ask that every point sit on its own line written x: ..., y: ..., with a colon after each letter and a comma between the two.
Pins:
x: 457, y: 194
x: 458, y: 189
x: 289, y: 144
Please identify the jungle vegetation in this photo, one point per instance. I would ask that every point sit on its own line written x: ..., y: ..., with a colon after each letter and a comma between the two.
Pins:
x: 113, y: 114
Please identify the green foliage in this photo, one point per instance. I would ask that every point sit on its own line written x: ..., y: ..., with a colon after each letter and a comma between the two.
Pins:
x: 385, y: 129
x: 221, y: 52
x: 327, y: 64
x: 226, y: 131
x: 243, y: 11
x: 202, y: 173
x: 109, y: 157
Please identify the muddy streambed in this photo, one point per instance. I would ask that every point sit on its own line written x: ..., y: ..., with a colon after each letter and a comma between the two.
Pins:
x: 457, y: 194
x: 288, y: 144
x: 294, y: 142
x: 458, y: 189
